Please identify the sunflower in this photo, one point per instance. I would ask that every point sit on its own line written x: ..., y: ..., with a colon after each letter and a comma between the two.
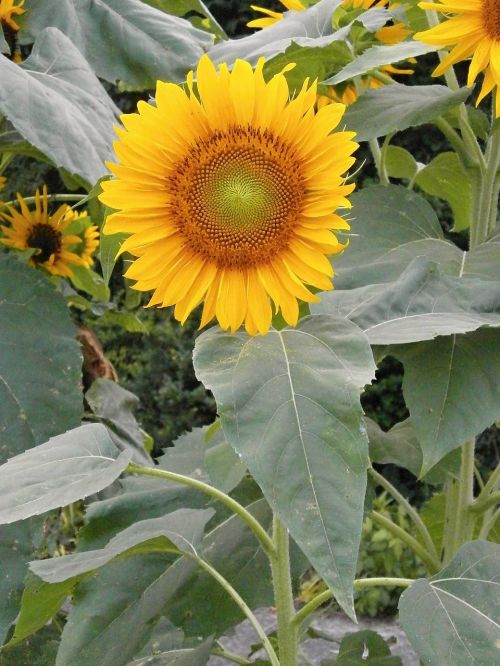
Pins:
x: 90, y: 245
x: 88, y: 235
x: 270, y: 16
x: 229, y: 193
x: 8, y: 9
x: 472, y: 27
x: 2, y: 183
x: 44, y: 233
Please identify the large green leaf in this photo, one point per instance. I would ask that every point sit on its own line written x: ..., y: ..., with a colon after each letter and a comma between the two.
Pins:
x: 38, y: 650
x: 378, y: 56
x: 421, y: 304
x: 114, y: 610
x: 290, y: 401
x: 446, y: 178
x: 53, y: 94
x: 454, y: 618
x: 40, y: 360
x: 18, y: 543
x: 451, y: 387
x: 113, y: 406
x: 147, y: 44
x: 195, y: 10
x: 396, y: 107
x: 66, y: 468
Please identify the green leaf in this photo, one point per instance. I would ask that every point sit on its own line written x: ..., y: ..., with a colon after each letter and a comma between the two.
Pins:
x: 175, y: 533
x: 307, y: 419
x: 433, y: 516
x: 187, y: 8
x: 90, y: 282
x: 446, y: 178
x: 109, y: 246
x: 114, y: 407
x: 40, y: 361
x: 396, y: 107
x: 147, y: 43
x: 66, y: 468
x: 365, y: 647
x: 38, y: 650
x: 421, y: 304
x: 454, y: 618
x: 128, y: 321
x: 56, y: 86
x: 18, y: 543
x: 378, y: 56
x: 197, y: 656
x: 4, y: 47
x: 451, y: 387
x: 399, y: 163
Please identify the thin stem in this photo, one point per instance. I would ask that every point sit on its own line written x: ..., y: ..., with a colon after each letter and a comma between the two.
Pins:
x: 230, y: 656
x: 489, y: 524
x: 454, y: 138
x: 489, y: 190
x: 489, y: 487
x: 432, y: 563
x: 411, y: 511
x: 242, y: 606
x: 50, y: 197
x: 493, y: 499
x: 359, y: 584
x: 377, y: 158
x: 283, y: 595
x: 261, y: 534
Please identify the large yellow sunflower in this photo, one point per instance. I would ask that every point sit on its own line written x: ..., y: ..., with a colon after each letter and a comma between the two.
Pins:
x: 8, y: 9
x: 229, y: 193
x: 44, y: 233
x: 472, y: 27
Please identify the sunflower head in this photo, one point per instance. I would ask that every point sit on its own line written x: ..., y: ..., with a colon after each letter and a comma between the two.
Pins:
x: 472, y: 29
x: 8, y: 10
x: 229, y: 190
x: 80, y: 224
x: 46, y: 235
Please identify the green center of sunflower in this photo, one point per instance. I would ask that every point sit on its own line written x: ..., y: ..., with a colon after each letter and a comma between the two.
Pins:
x: 46, y: 239
x: 491, y: 18
x: 238, y: 197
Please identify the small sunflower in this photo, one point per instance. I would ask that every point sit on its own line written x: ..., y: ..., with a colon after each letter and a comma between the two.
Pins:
x: 2, y: 183
x: 88, y: 235
x: 229, y: 195
x: 44, y: 233
x: 90, y: 245
x: 472, y: 27
x: 8, y: 9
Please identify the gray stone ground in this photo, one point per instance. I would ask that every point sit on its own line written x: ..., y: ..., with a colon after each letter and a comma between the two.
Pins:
x: 328, y: 624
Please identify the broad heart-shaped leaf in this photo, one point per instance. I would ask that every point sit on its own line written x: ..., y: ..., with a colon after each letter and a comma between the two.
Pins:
x: 378, y: 56
x: 113, y: 406
x: 445, y: 177
x: 147, y: 43
x: 114, y: 610
x: 399, y: 163
x: 392, y: 226
x: 40, y: 360
x: 421, y: 304
x: 353, y: 648
x: 289, y: 405
x: 177, y: 532
x: 57, y: 87
x: 396, y: 107
x: 66, y: 468
x: 17, y: 545
x: 454, y: 618
x: 310, y: 28
x: 451, y: 386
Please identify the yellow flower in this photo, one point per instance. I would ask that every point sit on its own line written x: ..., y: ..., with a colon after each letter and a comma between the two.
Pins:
x: 8, y: 10
x: 88, y: 236
x: 44, y: 233
x: 472, y: 27
x: 272, y: 17
x: 2, y: 183
x: 229, y: 194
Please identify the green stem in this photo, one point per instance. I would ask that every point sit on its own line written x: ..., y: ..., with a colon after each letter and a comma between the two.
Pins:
x: 454, y: 138
x: 451, y: 500
x: 261, y: 534
x: 411, y: 511
x: 432, y: 563
x: 488, y: 524
x: 493, y: 499
x: 359, y: 584
x: 242, y: 606
x: 464, y: 523
x: 230, y: 656
x: 51, y: 197
x: 489, y: 487
x: 488, y: 193
x: 283, y: 595
x: 379, y: 164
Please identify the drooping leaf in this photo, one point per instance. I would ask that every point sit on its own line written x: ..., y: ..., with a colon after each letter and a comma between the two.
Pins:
x: 446, y: 178
x: 40, y: 360
x: 451, y: 387
x: 56, y: 85
x: 290, y: 400
x: 108, y: 249
x: 396, y: 107
x: 114, y: 407
x: 454, y: 618
x: 399, y: 163
x: 378, y: 56
x: 421, y: 304
x: 148, y: 44
x: 66, y: 468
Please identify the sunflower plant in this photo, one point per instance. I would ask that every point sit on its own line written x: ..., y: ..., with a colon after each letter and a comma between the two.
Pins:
x: 263, y: 188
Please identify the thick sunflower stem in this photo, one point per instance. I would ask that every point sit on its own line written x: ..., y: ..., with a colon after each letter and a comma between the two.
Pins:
x: 459, y: 515
x: 379, y: 163
x: 283, y: 595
